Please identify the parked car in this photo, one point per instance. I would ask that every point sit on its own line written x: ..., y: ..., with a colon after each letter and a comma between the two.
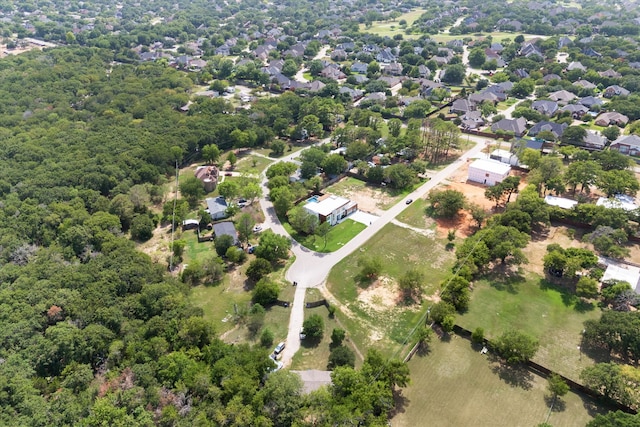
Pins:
x: 257, y: 229
x: 409, y: 201
x: 302, y: 334
x: 252, y: 249
x: 279, y: 348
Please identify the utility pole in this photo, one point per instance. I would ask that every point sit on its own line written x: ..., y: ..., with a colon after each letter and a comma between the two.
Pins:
x: 173, y: 218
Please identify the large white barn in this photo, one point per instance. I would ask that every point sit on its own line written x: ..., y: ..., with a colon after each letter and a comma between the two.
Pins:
x: 488, y: 172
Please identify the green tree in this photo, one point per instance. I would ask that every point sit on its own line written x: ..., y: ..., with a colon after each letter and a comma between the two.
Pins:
x: 516, y: 347
x: 334, y: 164
x: 446, y: 203
x: 454, y: 74
x: 477, y: 57
x: 574, y: 135
x: 258, y: 268
x: 192, y: 189
x: 556, y: 385
x: 273, y: 247
x: 222, y: 244
x: 587, y: 287
x: 611, y: 133
x: 322, y: 231
x: 266, y: 338
x: 232, y: 158
x: 210, y: 153
x: 265, y: 292
x: 142, y: 228
x: 400, y: 176
x: 229, y: 189
x: 617, y: 182
x: 411, y: 284
x: 370, y: 267
x: 337, y: 336
x: 606, y: 378
x: 583, y: 173
x: 477, y: 336
x: 313, y: 327
x: 277, y: 148
x: 341, y: 355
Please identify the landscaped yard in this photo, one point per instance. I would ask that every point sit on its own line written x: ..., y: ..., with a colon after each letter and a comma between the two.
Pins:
x: 454, y: 385
x: 553, y: 315
x: 338, y: 236
x: 374, y: 313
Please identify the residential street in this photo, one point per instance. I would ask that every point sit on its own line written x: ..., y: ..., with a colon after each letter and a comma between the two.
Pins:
x: 310, y: 268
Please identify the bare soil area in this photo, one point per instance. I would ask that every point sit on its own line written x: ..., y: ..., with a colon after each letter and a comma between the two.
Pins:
x: 381, y: 295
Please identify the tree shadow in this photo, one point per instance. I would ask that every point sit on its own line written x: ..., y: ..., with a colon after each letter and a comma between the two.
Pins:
x: 539, y: 235
x: 503, y: 278
x: 310, y: 343
x: 583, y: 306
x: 424, y: 350
x: 513, y: 375
x: 559, y: 405
x: 592, y: 406
x: 597, y: 354
x: 400, y: 403
x: 569, y: 298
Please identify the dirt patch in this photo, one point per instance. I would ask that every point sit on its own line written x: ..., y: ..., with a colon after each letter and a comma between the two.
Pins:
x: 567, y: 237
x: 381, y: 295
x: 369, y: 199
x: 158, y: 246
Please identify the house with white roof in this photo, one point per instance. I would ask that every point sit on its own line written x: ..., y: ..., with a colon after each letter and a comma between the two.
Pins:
x: 330, y: 208
x: 624, y: 273
x: 488, y: 172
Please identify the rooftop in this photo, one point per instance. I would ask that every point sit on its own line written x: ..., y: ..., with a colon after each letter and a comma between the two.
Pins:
x: 491, y: 166
x: 624, y: 272
x: 327, y: 205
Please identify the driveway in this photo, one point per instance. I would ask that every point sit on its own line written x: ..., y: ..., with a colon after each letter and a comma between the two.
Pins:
x: 363, y: 217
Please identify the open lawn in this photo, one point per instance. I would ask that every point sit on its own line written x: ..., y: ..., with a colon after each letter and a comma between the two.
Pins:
x: 454, y: 385
x: 497, y: 36
x: 338, y: 236
x: 252, y: 164
x: 530, y: 304
x: 291, y: 148
x: 391, y: 28
x: 195, y: 250
x: 415, y: 216
x: 374, y: 313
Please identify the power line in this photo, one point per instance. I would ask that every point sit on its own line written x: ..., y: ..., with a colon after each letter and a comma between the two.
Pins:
x: 173, y: 218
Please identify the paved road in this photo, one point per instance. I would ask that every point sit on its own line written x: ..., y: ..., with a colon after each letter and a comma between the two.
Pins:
x: 310, y: 268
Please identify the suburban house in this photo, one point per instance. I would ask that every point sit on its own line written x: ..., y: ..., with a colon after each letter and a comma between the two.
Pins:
x: 576, y: 110
x: 623, y: 272
x: 619, y: 201
x: 359, y: 67
x: 563, y: 96
x: 461, y: 106
x: 225, y: 228
x: 216, y: 207
x: 543, y: 106
x: 612, y: 118
x: 472, y: 120
x: 585, y: 84
x: 560, y: 202
x: 590, y: 101
x: 594, y: 140
x: 209, y: 177
x: 488, y: 172
x: 517, y: 126
x: 576, y: 66
x: 330, y: 208
x: 627, y: 144
x: 615, y: 90
x: 557, y: 129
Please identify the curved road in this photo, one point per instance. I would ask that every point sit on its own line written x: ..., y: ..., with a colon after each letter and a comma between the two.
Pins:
x: 310, y: 269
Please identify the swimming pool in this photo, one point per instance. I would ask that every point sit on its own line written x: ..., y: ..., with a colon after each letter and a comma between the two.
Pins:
x: 312, y: 199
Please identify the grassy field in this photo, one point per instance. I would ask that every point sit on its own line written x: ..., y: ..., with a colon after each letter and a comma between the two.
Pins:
x: 454, y: 385
x: 338, y: 236
x: 384, y: 197
x: 374, y: 314
x: 497, y: 36
x: 415, y: 216
x: 391, y: 28
x: 553, y: 315
x: 252, y: 164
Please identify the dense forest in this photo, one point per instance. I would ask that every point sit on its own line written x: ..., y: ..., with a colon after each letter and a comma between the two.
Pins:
x: 91, y: 331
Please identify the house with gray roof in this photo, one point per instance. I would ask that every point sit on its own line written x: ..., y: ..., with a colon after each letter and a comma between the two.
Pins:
x: 359, y: 67
x: 216, y: 207
x: 461, y: 106
x: 585, y: 84
x: 594, y: 140
x: 546, y: 107
x: 576, y: 65
x: 576, y: 110
x: 517, y: 126
x: 562, y: 96
x: 590, y: 101
x: 627, y: 144
x: 556, y: 129
x: 615, y: 90
x: 225, y: 228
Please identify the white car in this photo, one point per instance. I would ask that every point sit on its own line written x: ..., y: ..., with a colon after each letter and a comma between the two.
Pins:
x: 279, y: 348
x: 257, y: 229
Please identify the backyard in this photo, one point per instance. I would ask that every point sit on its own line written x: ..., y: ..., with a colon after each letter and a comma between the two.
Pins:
x: 455, y: 385
x: 532, y: 305
x: 374, y: 312
x: 370, y: 198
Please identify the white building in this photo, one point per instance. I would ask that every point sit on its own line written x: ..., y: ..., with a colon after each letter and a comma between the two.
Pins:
x: 620, y: 201
x: 504, y: 156
x: 330, y: 208
x: 488, y: 172
x: 623, y: 272
x: 560, y: 202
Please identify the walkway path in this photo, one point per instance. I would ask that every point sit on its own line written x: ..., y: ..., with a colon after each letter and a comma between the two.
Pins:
x: 423, y: 231
x: 310, y: 268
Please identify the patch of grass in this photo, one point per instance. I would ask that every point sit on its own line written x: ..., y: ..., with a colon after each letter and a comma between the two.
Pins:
x: 383, y: 28
x: 252, y: 164
x: 307, y: 75
x: 530, y: 304
x: 385, y: 324
x: 291, y: 148
x: 194, y: 250
x: 338, y: 236
x: 415, y: 216
x: 454, y: 385
x: 396, y: 194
